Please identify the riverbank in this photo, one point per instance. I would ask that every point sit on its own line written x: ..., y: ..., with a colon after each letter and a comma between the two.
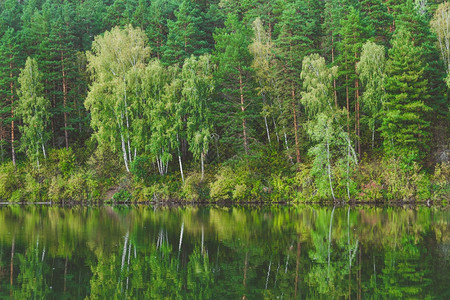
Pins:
x: 69, y: 177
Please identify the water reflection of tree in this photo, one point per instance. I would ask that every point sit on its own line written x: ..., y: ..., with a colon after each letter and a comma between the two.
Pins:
x: 235, y: 252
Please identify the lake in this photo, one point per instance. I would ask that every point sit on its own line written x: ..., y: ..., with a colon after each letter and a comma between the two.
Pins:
x: 211, y: 252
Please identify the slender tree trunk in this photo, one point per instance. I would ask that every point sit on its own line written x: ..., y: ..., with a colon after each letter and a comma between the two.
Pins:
x: 294, y: 112
x: 347, y: 98
x: 124, y: 152
x: 244, y: 128
x: 202, y: 159
x: 334, y: 79
x: 64, y: 83
x: 276, y: 129
x: 357, y: 129
x: 265, y: 117
x: 348, y: 172
x: 179, y: 160
x: 329, y: 168
x: 11, y: 86
x: 181, y: 167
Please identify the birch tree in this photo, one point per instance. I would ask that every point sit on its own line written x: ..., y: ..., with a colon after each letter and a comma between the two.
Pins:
x: 198, y: 86
x: 324, y: 126
x: 371, y: 72
x: 440, y: 25
x: 115, y: 55
x: 33, y: 109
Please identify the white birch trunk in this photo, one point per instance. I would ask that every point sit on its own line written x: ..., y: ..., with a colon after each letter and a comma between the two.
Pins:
x: 203, y: 165
x: 124, y: 152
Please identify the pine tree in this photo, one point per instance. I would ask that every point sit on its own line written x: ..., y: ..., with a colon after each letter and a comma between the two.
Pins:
x: 440, y: 26
x: 33, y: 110
x: 352, y: 37
x: 404, y: 124
x: 158, y: 13
x: 185, y: 36
x: 295, y: 40
x: 11, y: 59
x: 378, y: 19
x: 412, y: 20
x: 233, y: 75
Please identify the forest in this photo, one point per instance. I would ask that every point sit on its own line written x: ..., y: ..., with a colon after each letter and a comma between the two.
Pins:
x: 224, y: 100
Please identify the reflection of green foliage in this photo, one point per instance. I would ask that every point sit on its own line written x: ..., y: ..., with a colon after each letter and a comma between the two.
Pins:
x: 32, y: 277
x: 125, y: 252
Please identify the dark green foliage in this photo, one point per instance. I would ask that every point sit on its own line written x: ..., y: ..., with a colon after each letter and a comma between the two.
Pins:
x: 405, y: 126
x: 214, y: 95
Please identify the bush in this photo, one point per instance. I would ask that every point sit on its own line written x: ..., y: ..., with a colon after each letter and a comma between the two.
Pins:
x: 9, y: 182
x: 440, y: 182
x: 64, y: 159
x: 194, y: 188
x: 122, y: 196
x: 140, y: 168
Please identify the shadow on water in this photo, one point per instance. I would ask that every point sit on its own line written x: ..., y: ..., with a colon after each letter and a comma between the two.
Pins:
x: 223, y: 252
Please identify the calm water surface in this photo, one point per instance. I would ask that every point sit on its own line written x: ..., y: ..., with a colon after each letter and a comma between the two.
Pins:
x: 224, y: 253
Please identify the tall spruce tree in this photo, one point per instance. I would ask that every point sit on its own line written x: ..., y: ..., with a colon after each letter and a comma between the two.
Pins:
x: 295, y: 32
x: 352, y: 38
x: 234, y: 78
x: 404, y: 125
x: 185, y: 36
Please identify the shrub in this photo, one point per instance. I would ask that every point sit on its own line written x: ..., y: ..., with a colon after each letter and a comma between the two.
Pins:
x: 222, y: 187
x: 140, y: 167
x: 122, y: 196
x: 194, y: 188
x: 9, y: 182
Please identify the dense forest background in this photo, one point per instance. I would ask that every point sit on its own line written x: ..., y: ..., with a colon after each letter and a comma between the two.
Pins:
x: 243, y: 100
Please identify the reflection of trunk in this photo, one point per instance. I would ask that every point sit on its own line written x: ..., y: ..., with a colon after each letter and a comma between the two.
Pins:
x: 349, y: 255
x: 13, y: 245
x: 244, y: 282
x: 276, y: 275
x: 181, y: 236
x: 359, y: 275
x: 268, y: 273
x: 287, y: 261
x: 329, y: 243
x: 203, y: 238
x: 65, y: 274
x: 297, y: 266
x: 124, y: 253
